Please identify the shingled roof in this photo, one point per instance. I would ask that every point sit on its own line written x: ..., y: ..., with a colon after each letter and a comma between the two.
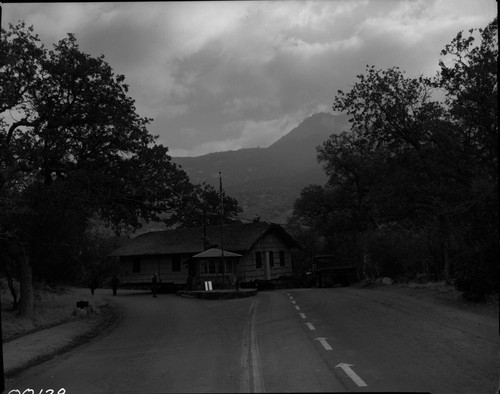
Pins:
x: 237, y: 238
x: 214, y: 252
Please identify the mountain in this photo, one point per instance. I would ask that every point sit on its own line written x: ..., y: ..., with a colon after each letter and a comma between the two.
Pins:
x: 267, y: 181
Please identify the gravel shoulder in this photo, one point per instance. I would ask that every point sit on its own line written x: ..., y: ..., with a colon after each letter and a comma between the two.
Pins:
x: 36, y: 347
x: 440, y: 294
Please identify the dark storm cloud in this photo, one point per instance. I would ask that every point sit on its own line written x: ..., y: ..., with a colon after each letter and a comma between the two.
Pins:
x: 227, y: 75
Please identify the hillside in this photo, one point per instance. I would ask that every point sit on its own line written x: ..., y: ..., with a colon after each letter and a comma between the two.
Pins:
x: 267, y: 181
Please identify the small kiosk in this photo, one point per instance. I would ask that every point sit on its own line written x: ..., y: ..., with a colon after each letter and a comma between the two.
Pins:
x: 215, y: 267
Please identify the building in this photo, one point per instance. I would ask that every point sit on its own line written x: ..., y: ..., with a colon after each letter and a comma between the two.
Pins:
x: 253, y: 251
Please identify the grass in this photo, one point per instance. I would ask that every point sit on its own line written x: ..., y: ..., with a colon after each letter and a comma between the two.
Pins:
x: 52, y: 306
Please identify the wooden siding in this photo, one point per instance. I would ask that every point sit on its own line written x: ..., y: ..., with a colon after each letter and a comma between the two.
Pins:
x: 245, y: 267
x: 247, y: 264
x: 150, y: 265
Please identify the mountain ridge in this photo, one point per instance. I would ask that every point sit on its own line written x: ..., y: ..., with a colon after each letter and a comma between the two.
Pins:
x: 267, y: 181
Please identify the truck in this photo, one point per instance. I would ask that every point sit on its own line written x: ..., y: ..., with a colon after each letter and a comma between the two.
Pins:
x: 328, y: 271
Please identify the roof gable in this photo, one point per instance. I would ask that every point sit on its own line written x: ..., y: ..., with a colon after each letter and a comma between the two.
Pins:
x: 215, y: 253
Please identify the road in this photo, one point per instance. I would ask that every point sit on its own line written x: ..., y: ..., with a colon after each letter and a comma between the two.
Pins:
x: 333, y: 340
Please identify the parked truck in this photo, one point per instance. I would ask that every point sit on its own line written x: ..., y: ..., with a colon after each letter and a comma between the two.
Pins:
x: 327, y: 272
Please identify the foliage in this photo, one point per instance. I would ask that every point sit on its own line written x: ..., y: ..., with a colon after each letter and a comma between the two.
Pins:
x: 412, y: 165
x: 79, y: 126
x: 397, y: 252
x: 202, y: 206
x: 310, y: 241
x: 72, y: 146
x: 95, y: 263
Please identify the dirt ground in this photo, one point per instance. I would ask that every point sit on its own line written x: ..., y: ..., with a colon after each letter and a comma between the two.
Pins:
x: 440, y: 293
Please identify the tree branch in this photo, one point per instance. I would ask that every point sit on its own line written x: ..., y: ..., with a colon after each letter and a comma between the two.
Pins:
x: 14, y: 126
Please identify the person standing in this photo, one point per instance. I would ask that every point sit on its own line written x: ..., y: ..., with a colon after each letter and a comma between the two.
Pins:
x: 154, y: 281
x: 114, y: 284
x: 93, y: 284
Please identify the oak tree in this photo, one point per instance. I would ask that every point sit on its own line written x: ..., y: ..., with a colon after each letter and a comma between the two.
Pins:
x: 426, y: 165
x: 72, y: 146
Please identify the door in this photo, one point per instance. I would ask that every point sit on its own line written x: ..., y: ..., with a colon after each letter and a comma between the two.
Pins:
x: 267, y: 265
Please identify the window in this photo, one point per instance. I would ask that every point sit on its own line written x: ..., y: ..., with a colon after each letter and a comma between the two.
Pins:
x: 203, y: 267
x: 211, y: 267
x: 229, y: 267
x: 271, y: 259
x: 136, y: 264
x: 258, y: 260
x: 176, y: 263
x: 282, y: 258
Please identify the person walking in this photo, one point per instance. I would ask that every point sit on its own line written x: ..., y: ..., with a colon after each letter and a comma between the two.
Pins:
x: 154, y: 281
x: 114, y: 284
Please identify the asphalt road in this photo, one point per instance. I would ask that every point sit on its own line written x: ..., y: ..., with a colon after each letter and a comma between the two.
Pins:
x: 333, y: 340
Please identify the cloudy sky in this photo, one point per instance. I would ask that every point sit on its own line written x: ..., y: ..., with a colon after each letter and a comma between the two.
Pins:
x: 226, y: 75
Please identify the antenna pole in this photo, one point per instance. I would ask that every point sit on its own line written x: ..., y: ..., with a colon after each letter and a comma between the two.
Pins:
x: 222, y: 229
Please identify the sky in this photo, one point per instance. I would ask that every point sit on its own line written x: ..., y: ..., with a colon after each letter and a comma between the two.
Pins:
x: 219, y: 76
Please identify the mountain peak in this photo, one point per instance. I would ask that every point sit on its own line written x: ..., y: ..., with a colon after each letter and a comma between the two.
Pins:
x: 267, y: 181
x: 312, y: 131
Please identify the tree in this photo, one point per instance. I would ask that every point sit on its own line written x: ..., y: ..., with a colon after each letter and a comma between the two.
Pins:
x: 471, y: 86
x: 415, y: 163
x: 333, y: 220
x: 96, y: 265
x: 200, y: 206
x: 9, y: 268
x: 470, y: 81
x: 18, y: 48
x: 72, y: 146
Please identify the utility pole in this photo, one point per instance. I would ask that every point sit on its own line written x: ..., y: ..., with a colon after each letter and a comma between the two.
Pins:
x: 2, y: 376
x: 222, y: 230
x: 205, y: 240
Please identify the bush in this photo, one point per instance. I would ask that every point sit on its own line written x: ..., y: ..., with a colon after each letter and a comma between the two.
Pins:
x: 397, y: 252
x: 383, y: 255
x: 476, y: 273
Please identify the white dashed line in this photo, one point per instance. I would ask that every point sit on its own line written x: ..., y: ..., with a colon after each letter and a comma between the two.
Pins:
x: 355, y: 378
x: 297, y: 307
x: 302, y: 315
x: 324, y: 343
x: 311, y: 327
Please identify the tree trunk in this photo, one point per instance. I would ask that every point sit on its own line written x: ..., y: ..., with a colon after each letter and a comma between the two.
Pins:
x: 7, y: 268
x: 12, y: 289
x: 447, y: 276
x: 445, y: 236
x: 26, y: 302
